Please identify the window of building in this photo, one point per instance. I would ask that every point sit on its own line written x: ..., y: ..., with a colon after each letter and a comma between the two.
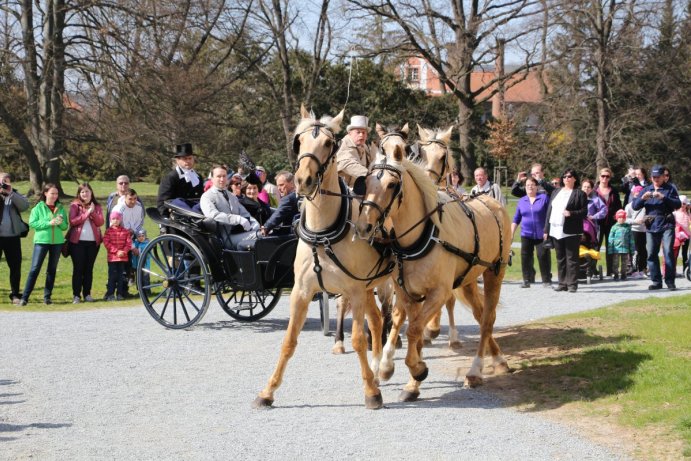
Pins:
x: 413, y: 74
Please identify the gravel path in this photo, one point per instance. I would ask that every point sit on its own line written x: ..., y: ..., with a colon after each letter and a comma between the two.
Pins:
x: 113, y: 384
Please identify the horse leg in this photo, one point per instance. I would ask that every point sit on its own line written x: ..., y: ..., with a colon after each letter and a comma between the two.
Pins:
x: 484, y: 310
x: 454, y: 342
x: 338, y: 347
x: 375, y: 324
x: 373, y: 399
x: 386, y: 365
x: 411, y: 391
x: 299, y: 301
x: 385, y: 293
x: 432, y: 328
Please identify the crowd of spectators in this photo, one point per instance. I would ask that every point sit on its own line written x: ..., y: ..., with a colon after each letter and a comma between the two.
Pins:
x: 578, y: 221
x: 572, y: 216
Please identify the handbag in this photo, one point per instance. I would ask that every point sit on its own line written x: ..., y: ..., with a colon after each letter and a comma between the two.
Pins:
x: 548, y: 244
x: 24, y: 228
x: 65, y: 250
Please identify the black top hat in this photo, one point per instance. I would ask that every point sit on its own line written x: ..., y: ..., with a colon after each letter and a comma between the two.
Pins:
x: 183, y: 150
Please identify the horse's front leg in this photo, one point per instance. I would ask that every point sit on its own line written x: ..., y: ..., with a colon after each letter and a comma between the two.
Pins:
x: 432, y: 328
x: 373, y: 399
x: 454, y: 342
x: 375, y: 323
x: 299, y: 301
x: 338, y: 347
x: 386, y: 365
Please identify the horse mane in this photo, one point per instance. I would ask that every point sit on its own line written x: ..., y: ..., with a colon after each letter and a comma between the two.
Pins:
x: 426, y: 186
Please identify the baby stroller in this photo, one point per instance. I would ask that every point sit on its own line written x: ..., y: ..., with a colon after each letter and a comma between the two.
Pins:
x: 589, y: 254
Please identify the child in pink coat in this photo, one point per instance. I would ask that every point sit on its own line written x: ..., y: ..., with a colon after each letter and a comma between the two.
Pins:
x: 118, y: 243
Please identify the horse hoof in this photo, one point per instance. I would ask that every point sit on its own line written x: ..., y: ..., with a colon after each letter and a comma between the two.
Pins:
x: 408, y: 396
x: 473, y: 381
x: 501, y: 368
x: 455, y: 345
x: 374, y: 402
x: 427, y: 342
x: 261, y: 402
x: 385, y: 375
x: 338, y: 349
x: 422, y: 376
x: 399, y: 342
x: 432, y: 334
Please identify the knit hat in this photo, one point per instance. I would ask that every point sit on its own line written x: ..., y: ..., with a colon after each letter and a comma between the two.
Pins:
x: 141, y: 232
x: 115, y: 214
x: 620, y: 214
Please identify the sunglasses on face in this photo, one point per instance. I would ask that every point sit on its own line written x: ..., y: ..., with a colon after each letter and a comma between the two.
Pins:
x: 567, y: 176
x: 605, y: 176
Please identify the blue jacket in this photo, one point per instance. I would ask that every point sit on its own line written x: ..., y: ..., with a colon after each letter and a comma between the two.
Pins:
x: 281, y: 221
x: 659, y: 209
x: 532, y: 217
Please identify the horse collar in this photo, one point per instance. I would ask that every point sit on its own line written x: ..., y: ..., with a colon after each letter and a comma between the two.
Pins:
x: 333, y: 233
x: 421, y: 247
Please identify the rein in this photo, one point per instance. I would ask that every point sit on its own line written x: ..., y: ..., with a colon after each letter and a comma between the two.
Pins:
x: 316, y: 128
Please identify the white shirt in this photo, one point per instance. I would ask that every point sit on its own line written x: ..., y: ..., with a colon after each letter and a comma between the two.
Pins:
x: 556, y: 218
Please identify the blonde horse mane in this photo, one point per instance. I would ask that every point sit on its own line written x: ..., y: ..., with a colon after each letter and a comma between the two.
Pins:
x: 424, y: 183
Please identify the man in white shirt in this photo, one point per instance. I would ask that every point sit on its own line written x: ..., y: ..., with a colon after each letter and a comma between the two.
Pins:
x: 238, y: 230
x: 484, y: 185
x: 132, y: 212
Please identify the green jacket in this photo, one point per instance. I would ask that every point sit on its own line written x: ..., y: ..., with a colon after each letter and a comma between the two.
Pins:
x: 39, y: 220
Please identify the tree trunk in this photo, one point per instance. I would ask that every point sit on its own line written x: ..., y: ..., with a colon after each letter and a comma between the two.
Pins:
x: 467, y: 155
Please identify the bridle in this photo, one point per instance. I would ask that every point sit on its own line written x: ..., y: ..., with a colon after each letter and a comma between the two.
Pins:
x: 316, y: 128
x: 397, y: 193
x: 445, y: 163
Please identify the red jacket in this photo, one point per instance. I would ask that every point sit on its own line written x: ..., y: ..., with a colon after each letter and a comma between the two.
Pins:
x: 78, y: 218
x: 117, y: 239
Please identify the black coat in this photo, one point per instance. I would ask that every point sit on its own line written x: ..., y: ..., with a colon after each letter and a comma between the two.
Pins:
x: 172, y: 186
x: 258, y: 209
x: 577, y: 205
x: 281, y: 221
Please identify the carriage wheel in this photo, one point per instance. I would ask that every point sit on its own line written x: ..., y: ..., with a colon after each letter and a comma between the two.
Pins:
x: 175, y: 288
x: 324, y: 312
x: 248, y: 306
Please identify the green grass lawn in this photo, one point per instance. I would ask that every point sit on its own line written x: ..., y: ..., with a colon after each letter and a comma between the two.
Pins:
x: 630, y: 362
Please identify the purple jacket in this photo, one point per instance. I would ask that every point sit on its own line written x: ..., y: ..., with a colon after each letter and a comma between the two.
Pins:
x: 532, y: 217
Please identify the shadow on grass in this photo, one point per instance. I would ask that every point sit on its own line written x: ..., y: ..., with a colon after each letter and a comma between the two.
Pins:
x: 555, y: 366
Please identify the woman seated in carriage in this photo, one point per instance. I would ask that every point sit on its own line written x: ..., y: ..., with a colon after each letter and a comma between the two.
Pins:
x: 238, y: 229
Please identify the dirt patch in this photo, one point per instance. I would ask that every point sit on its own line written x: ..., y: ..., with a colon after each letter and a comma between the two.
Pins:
x: 542, y: 356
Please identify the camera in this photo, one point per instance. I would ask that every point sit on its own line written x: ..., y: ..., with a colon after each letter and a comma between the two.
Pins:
x: 6, y: 186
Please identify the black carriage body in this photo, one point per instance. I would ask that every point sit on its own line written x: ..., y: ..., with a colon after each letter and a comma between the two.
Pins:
x: 191, y: 265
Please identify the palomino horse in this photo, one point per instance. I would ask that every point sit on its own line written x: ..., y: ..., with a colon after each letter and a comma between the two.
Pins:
x: 439, y: 251
x: 327, y: 257
x: 433, y: 149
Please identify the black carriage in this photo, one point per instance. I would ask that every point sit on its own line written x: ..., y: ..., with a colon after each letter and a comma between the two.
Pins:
x: 180, y: 270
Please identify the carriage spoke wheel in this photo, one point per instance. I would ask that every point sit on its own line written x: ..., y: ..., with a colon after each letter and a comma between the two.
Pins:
x: 174, y: 283
x: 248, y: 305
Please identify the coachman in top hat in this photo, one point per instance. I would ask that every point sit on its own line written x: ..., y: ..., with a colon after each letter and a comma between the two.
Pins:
x: 183, y: 181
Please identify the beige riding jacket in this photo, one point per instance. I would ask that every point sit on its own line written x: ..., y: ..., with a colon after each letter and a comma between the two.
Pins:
x: 352, y: 161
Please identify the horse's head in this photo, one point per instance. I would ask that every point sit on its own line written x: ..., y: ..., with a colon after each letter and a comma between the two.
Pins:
x: 393, y: 141
x: 315, y: 146
x: 382, y: 191
x: 434, y: 152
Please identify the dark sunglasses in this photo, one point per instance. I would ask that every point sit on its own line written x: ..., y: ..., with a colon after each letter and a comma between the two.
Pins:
x: 605, y: 176
x: 235, y: 183
x: 567, y: 176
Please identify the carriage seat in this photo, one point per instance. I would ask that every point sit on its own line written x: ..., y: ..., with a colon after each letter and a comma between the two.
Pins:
x: 186, y: 212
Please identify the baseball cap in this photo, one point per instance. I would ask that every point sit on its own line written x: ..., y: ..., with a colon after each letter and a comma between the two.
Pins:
x: 657, y: 170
